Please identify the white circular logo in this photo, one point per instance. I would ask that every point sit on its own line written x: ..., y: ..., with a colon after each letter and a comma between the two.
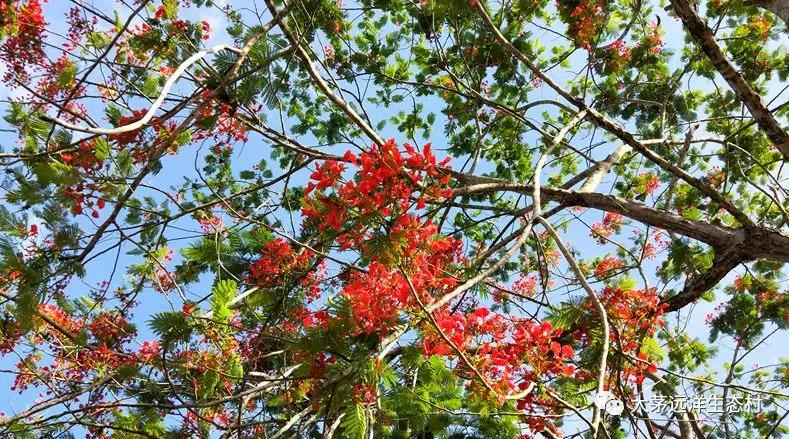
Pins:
x: 614, y: 407
x: 607, y: 402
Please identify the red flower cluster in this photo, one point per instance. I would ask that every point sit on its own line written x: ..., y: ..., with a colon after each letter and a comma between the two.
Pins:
x: 53, y: 82
x: 129, y: 137
x: 612, y: 223
x: 84, y: 156
x: 161, y: 278
x: 584, y: 18
x: 509, y: 354
x: 110, y: 328
x: 647, y: 183
x: 716, y: 176
x: 639, y: 309
x: 378, y: 295
x: 607, y: 267
x: 534, y: 345
x: 73, y: 363
x: 326, y: 175
x: 619, y: 48
x: 376, y: 298
x: 308, y: 319
x: 635, y: 314
x: 149, y: 351
x: 386, y: 183
x: 216, y: 118
x: 160, y: 13
x: 617, y: 55
x: 205, y: 30
x: 525, y: 285
x: 60, y: 318
x: 364, y: 394
x: 371, y: 211
x: 6, y: 13
x: 78, y: 27
x: 653, y: 40
x: 279, y: 261
x: 23, y: 47
x: 82, y: 196
x: 212, y: 226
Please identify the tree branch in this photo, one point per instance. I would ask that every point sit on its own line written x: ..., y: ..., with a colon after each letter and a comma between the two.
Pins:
x: 706, y: 39
x: 613, y: 127
x: 695, y: 286
x: 322, y: 84
x: 156, y: 104
x: 600, y: 309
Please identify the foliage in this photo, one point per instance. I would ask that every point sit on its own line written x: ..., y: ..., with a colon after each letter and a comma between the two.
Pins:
x: 328, y: 226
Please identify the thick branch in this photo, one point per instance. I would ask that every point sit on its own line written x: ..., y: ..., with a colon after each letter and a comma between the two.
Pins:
x: 762, y: 242
x: 704, y: 36
x: 743, y: 245
x: 615, y: 128
x: 732, y: 246
x: 695, y: 286
x: 777, y: 7
x: 602, y: 168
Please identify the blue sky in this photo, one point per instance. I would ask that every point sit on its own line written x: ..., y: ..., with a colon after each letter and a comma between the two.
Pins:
x: 247, y: 155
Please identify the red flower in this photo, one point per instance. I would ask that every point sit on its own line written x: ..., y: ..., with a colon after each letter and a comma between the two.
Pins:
x: 24, y: 48
x: 187, y: 309
x: 109, y: 327
x: 349, y: 157
x: 649, y: 182
x: 376, y: 298
x: 326, y: 175
x: 607, y: 267
x: 612, y: 223
x: 205, y: 30
x: 149, y: 351
x: 159, y: 13
x: 364, y: 393
x: 525, y: 285
x: 129, y: 137
x: 278, y: 262
x: 584, y: 18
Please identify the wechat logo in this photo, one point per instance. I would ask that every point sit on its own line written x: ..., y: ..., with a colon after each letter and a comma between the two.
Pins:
x: 607, y: 402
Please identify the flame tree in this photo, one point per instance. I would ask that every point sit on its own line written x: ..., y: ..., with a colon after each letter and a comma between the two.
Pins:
x: 384, y: 218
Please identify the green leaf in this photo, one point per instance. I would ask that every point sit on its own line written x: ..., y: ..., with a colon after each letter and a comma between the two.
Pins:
x: 150, y: 87
x: 207, y: 383
x: 26, y: 304
x: 9, y: 223
x: 67, y: 75
x: 98, y: 40
x: 170, y: 9
x: 234, y: 367
x: 101, y: 148
x: 224, y: 291
x: 692, y: 213
x: 354, y: 423
x: 652, y: 349
x: 567, y: 316
x: 118, y: 21
x: 54, y: 172
x: 171, y: 327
